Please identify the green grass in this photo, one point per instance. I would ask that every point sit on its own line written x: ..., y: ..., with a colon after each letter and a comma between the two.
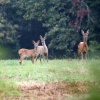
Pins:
x: 54, y: 70
x: 62, y: 70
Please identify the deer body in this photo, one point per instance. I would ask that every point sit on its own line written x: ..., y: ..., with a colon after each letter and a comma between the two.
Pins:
x: 42, y: 51
x: 26, y: 53
x: 83, y: 46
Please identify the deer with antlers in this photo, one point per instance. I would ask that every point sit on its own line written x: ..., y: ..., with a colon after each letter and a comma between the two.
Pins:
x: 42, y: 51
x: 28, y: 53
x: 83, y: 46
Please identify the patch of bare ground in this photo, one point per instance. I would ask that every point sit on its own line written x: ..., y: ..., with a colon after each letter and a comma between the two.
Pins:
x: 52, y: 91
x: 49, y: 91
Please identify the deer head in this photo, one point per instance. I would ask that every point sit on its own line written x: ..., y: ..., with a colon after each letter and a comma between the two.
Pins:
x: 85, y: 35
x: 43, y: 40
x: 36, y: 44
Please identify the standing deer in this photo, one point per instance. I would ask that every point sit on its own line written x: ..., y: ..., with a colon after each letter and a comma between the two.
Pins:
x: 42, y: 51
x: 83, y: 46
x: 29, y: 53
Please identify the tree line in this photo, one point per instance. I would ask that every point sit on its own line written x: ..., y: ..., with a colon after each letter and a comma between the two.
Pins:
x: 22, y: 21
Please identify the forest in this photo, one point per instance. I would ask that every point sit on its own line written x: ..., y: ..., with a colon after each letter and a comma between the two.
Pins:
x: 60, y: 29
x: 61, y: 21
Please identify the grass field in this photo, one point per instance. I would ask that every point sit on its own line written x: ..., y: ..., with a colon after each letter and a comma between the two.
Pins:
x: 71, y: 74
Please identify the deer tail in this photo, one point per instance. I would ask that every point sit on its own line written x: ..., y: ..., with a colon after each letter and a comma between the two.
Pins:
x: 19, y: 52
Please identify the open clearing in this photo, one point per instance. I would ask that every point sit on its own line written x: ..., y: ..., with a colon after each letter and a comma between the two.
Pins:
x: 55, y: 80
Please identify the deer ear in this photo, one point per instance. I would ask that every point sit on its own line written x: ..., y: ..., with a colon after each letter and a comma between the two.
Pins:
x: 82, y: 32
x: 33, y: 42
x: 45, y: 37
x: 38, y: 41
x: 87, y: 32
x: 40, y: 37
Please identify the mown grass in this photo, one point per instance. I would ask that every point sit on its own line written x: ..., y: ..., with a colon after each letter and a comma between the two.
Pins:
x: 69, y: 70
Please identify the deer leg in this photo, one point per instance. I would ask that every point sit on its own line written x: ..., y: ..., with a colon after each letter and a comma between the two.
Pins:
x: 86, y: 55
x: 36, y: 57
x: 21, y: 58
x: 43, y: 56
x: 20, y: 62
x: 47, y: 57
x: 79, y: 55
x: 40, y: 57
x: 82, y: 55
x: 32, y: 59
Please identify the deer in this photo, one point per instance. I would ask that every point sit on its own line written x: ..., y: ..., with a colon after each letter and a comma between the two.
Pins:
x: 42, y: 51
x: 83, y: 46
x: 28, y: 53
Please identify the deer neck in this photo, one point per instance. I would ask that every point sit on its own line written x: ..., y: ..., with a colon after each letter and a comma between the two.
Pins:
x: 85, y: 41
x: 35, y: 49
x: 44, y: 45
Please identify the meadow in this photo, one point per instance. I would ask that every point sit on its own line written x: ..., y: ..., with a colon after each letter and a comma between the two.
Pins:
x: 66, y: 77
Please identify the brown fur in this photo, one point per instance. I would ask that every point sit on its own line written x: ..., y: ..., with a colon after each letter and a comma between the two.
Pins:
x: 83, y: 46
x: 23, y: 53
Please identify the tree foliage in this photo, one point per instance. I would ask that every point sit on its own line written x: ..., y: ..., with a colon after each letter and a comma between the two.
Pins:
x: 61, y: 21
x: 8, y: 27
